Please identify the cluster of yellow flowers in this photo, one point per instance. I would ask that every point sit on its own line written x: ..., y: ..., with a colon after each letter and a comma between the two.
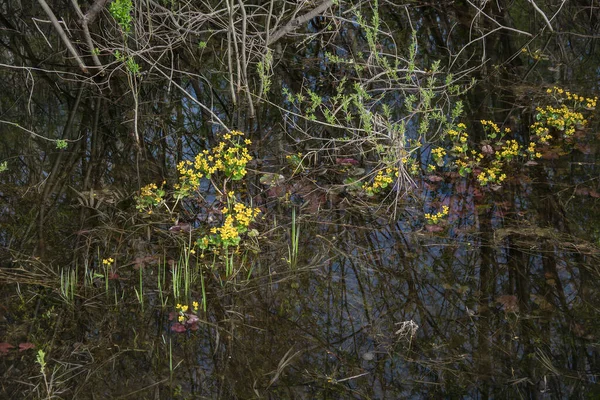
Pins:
x: 412, y: 165
x: 459, y: 138
x: 236, y: 222
x: 560, y: 118
x: 182, y: 309
x: 493, y: 130
x: 468, y: 160
x: 491, y: 125
x: 433, y: 219
x: 230, y: 157
x: 381, y: 181
x: 438, y: 155
x: 150, y: 196
x: 245, y: 215
x: 497, y: 150
x: 531, y: 149
x: 108, y: 261
x: 493, y: 174
x: 509, y: 150
x: 590, y: 103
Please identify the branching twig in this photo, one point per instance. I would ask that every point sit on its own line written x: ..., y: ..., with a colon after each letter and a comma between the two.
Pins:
x: 83, y: 20
x: 539, y: 11
x: 63, y: 35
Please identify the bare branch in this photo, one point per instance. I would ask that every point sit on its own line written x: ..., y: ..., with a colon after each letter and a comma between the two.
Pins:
x: 98, y: 6
x: 296, y: 22
x: 63, y: 35
x: 539, y: 11
x: 86, y: 34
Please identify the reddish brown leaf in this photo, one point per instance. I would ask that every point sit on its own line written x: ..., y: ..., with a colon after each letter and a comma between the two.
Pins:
x: 550, y: 154
x: 26, y: 346
x: 346, y: 161
x: 509, y: 302
x: 433, y: 228
x: 4, y: 348
x: 277, y: 191
x: 435, y: 178
x: 179, y: 328
x: 578, y: 329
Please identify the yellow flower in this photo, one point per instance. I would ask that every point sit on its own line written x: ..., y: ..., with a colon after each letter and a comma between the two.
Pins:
x: 195, y: 305
x: 181, y: 318
x: 184, y: 308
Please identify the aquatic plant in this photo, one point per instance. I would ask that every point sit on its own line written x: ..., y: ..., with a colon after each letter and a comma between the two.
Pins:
x: 68, y: 284
x: 229, y: 158
x: 150, y: 196
x: 294, y: 245
x: 185, y: 318
x: 500, y: 149
x: 436, y: 218
x: 382, y: 180
x: 221, y: 167
x: 563, y: 120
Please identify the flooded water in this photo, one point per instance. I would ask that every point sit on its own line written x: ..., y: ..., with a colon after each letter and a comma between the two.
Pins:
x: 436, y: 284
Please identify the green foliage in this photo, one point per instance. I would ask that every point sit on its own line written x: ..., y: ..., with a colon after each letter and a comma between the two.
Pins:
x: 121, y: 12
x: 264, y: 70
x: 132, y: 66
x: 40, y: 359
x: 369, y: 119
x: 61, y: 144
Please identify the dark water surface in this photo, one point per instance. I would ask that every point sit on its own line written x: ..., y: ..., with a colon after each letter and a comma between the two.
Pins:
x: 499, y: 300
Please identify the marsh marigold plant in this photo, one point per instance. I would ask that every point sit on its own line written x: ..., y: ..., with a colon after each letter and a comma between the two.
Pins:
x: 221, y: 166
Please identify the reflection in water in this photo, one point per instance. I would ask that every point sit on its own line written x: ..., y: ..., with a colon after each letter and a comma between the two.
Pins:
x: 499, y: 303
